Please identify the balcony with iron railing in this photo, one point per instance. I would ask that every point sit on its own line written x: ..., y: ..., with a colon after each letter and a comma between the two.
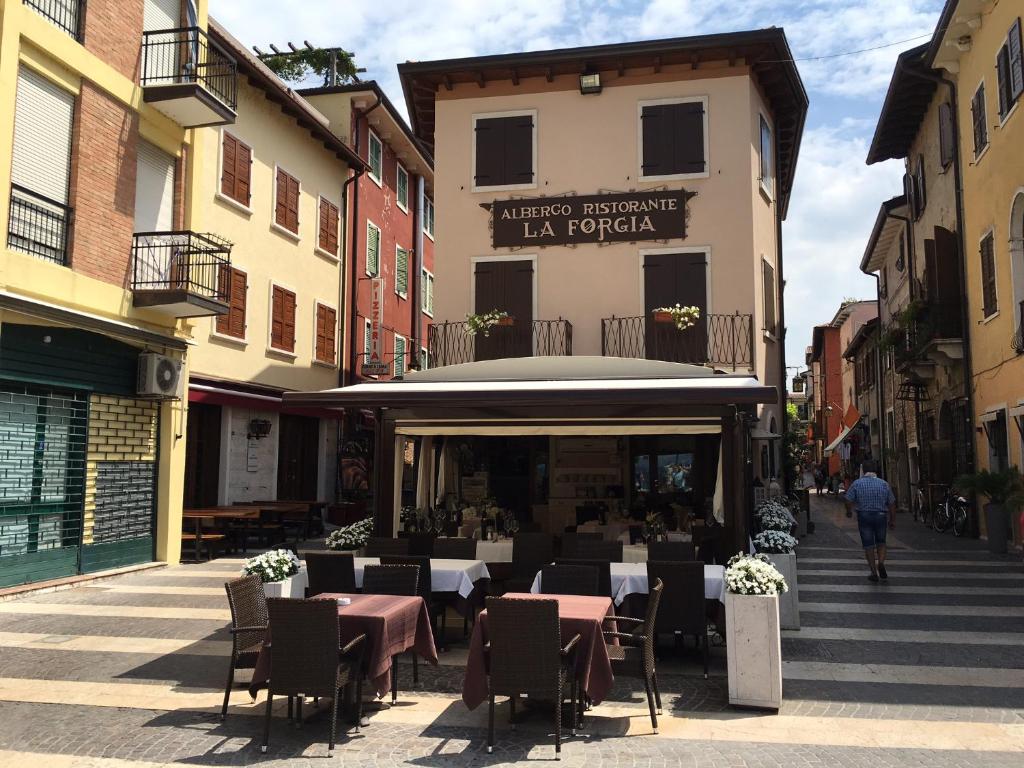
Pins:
x: 181, y: 274
x: 451, y: 343
x: 38, y: 225
x: 64, y: 14
x: 723, y: 342
x: 189, y: 77
x: 927, y: 330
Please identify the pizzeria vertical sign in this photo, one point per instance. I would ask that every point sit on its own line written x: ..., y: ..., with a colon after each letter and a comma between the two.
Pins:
x: 609, y: 218
x: 373, y: 364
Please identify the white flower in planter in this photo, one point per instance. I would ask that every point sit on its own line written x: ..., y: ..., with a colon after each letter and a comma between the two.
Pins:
x: 351, y: 536
x: 775, y: 542
x: 753, y: 575
x: 275, y: 565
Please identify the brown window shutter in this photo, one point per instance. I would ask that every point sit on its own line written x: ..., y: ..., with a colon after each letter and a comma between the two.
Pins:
x: 330, y: 334
x: 322, y: 235
x: 229, y: 164
x: 978, y: 114
x: 1013, y: 43
x: 243, y: 171
x: 988, y: 276
x: 688, y: 137
x: 319, y: 345
x: 288, y: 322
x: 328, y: 230
x: 239, y: 291
x: 225, y: 284
x: 490, y: 169
x: 293, y: 204
x: 1003, y: 80
x: 519, y: 150
x: 656, y: 130
x: 281, y: 203
x: 945, y: 134
x: 920, y: 189
x: 277, y: 319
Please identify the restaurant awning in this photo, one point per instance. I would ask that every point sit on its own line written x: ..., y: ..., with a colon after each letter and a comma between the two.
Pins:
x: 835, y: 443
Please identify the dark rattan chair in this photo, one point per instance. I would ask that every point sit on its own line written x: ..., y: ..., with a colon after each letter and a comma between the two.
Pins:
x: 568, y: 580
x: 330, y: 572
x: 589, y: 549
x: 671, y: 551
x: 530, y: 553
x: 525, y: 656
x: 248, y: 603
x: 633, y: 655
x: 400, y: 579
x: 604, y: 572
x: 683, y: 612
x: 424, y: 588
x: 571, y: 539
x: 455, y: 548
x: 421, y: 543
x: 306, y: 658
x: 377, y: 546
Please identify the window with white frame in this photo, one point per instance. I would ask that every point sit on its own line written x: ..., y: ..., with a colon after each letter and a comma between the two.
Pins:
x: 399, y: 369
x: 401, y: 271
x: 372, y: 249
x: 424, y: 359
x: 427, y: 293
x: 673, y: 138
x: 375, y: 158
x: 767, y: 159
x: 402, y: 188
x: 428, y: 217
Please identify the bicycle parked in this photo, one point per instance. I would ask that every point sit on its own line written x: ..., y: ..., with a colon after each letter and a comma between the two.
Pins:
x: 951, y: 511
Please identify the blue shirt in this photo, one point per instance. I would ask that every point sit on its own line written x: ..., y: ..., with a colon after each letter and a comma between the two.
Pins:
x: 870, y: 494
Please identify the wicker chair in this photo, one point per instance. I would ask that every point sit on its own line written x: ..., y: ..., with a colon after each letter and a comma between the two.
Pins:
x: 525, y: 656
x: 330, y: 572
x: 570, y: 539
x: 671, y: 551
x: 684, y: 609
x: 425, y: 589
x: 248, y: 603
x: 421, y: 543
x: 604, y: 572
x: 455, y: 548
x: 590, y: 549
x: 568, y: 580
x: 530, y: 553
x: 306, y: 658
x: 633, y: 655
x: 394, y: 580
x: 377, y: 546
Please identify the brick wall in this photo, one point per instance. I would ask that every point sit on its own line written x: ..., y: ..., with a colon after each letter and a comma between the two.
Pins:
x: 103, y: 168
x: 113, y: 32
x: 122, y: 432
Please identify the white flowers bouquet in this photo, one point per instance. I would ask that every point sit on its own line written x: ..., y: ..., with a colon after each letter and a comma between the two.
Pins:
x: 275, y: 565
x: 483, y: 323
x: 682, y: 317
x: 775, y: 542
x: 351, y: 536
x: 753, y: 575
x: 774, y: 516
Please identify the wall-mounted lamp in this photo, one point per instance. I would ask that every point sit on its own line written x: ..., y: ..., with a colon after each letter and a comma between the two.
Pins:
x: 590, y: 82
x: 258, y: 428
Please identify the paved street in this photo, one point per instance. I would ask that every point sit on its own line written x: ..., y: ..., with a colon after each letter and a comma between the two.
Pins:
x: 925, y: 670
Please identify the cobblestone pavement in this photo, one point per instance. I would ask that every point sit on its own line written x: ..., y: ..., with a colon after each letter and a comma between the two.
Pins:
x: 925, y: 670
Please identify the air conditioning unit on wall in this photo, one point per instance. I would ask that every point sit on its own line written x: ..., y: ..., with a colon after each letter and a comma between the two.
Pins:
x: 160, y: 377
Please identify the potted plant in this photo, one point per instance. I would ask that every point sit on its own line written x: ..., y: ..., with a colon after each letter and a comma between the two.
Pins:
x: 753, y: 640
x: 483, y: 323
x: 1005, y: 493
x: 779, y: 546
x: 773, y: 515
x: 681, y: 317
x: 350, y: 537
x: 280, y: 571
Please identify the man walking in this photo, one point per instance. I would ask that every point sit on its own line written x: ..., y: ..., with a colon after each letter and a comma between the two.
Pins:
x: 873, y: 500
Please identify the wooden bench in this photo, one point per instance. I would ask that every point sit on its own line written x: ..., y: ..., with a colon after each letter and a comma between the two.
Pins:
x: 210, y: 539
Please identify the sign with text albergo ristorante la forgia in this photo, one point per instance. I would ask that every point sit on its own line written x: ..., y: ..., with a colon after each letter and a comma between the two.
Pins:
x: 607, y: 218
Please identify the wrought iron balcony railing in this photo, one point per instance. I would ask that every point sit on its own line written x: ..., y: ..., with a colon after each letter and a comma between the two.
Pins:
x: 933, y: 321
x: 182, y: 271
x: 38, y: 225
x: 717, y: 341
x: 65, y: 14
x: 450, y: 344
x: 176, y: 61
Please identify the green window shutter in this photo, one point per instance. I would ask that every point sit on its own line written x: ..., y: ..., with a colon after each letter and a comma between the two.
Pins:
x: 372, y: 250
x: 366, y: 341
x: 376, y: 160
x: 399, y: 357
x: 401, y: 272
x: 402, y: 187
x: 430, y: 294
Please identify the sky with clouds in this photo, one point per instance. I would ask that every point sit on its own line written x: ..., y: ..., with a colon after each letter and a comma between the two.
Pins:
x: 836, y: 195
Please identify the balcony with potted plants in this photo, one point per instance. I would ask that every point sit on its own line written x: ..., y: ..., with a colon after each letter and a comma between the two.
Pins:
x: 495, y: 335
x: 678, y: 335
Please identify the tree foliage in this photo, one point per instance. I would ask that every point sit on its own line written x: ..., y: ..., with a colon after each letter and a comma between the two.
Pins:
x: 298, y: 66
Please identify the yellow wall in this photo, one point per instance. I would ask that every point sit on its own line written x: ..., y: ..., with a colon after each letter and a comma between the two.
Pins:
x: 263, y: 251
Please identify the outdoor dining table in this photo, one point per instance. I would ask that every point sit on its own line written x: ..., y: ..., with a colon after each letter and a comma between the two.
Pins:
x: 392, y: 625
x: 576, y: 615
x: 248, y: 515
x: 631, y: 579
x: 468, y: 579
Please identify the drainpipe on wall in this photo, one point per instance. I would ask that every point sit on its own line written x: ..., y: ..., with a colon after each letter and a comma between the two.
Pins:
x: 417, y: 298
x: 781, y: 330
x: 879, y: 380
x: 344, y: 288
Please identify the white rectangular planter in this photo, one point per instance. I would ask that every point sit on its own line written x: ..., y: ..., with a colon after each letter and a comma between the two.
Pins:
x: 293, y: 586
x: 753, y: 649
x: 789, y: 602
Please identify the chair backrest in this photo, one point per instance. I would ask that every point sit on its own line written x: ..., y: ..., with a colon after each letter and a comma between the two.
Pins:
x: 531, y: 552
x: 682, y: 607
x: 421, y: 543
x: 650, y: 621
x: 391, y: 579
x: 304, y: 651
x: 671, y: 551
x: 248, y: 604
x: 707, y: 545
x: 570, y: 540
x: 603, y: 568
x: 525, y: 646
x: 329, y: 572
x: 599, y: 550
x: 568, y: 580
x: 461, y: 548
x: 423, y: 583
x: 377, y: 546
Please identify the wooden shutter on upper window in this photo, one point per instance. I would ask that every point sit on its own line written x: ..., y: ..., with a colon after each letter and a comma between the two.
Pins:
x: 277, y: 318
x: 287, y: 204
x: 372, y: 250
x: 326, y: 319
x: 920, y: 190
x: 489, y: 152
x: 519, y: 150
x: 978, y: 118
x: 656, y: 125
x: 688, y: 126
x: 673, y: 139
x: 1013, y: 43
x: 945, y: 134
x: 288, y: 322
x: 328, y: 239
x: 1003, y: 80
x: 233, y: 282
x: 988, y: 276
x: 401, y: 271
x: 768, y: 288
x: 236, y: 165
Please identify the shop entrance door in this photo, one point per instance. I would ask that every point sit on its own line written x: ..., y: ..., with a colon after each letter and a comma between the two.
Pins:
x: 670, y: 279
x: 297, y: 457
x: 202, y: 455
x: 506, y: 286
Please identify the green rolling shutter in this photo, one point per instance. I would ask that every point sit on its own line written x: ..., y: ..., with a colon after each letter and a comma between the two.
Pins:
x: 372, y: 250
x: 401, y: 272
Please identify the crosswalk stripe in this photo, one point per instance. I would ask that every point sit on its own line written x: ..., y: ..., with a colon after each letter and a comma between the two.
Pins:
x: 126, y: 611
x: 904, y: 590
x: 896, y: 573
x: 108, y: 644
x: 888, y: 635
x: 896, y: 609
x: 908, y: 562
x: 899, y: 674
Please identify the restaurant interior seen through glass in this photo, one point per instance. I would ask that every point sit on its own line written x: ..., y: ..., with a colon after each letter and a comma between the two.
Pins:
x: 638, y: 484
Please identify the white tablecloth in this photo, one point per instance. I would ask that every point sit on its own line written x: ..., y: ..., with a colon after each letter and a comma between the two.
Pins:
x: 445, y: 575
x: 495, y: 551
x: 631, y: 579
